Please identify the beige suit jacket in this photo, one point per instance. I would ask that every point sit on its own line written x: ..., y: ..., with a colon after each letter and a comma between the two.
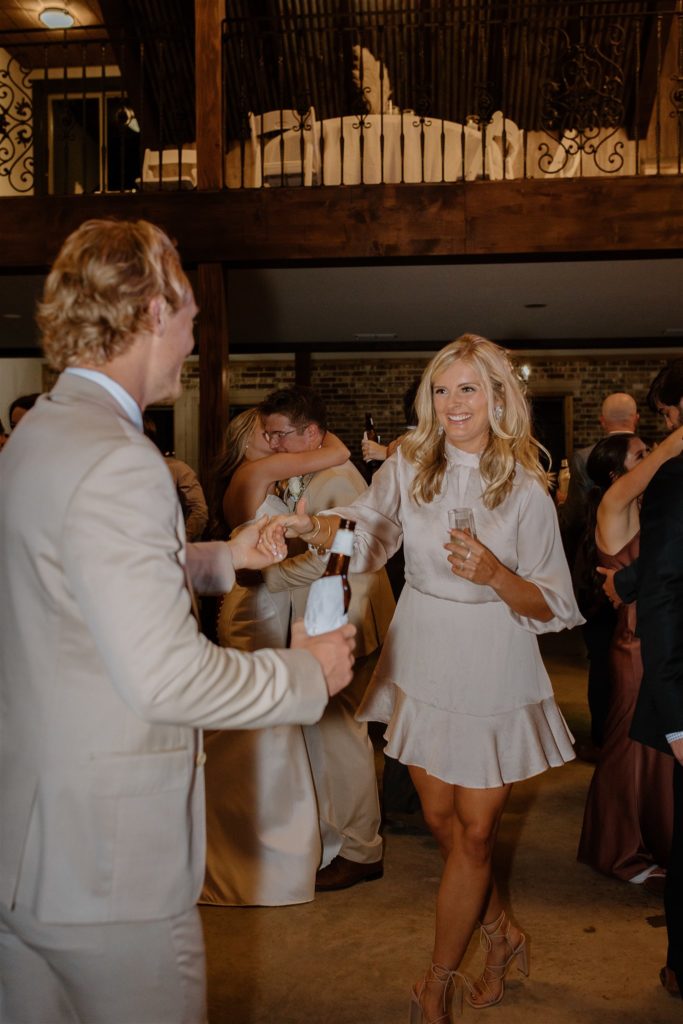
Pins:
x: 104, y: 677
x: 372, y: 601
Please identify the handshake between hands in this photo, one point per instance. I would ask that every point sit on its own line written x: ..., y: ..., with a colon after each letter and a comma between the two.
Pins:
x: 262, y: 543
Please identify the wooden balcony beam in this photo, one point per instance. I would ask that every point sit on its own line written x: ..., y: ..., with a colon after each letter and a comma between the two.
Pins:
x: 477, y: 219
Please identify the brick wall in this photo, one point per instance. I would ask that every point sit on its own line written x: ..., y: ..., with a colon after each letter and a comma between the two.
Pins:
x: 353, y: 386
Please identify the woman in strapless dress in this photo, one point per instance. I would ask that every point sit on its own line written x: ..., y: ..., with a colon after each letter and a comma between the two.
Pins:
x: 263, y: 839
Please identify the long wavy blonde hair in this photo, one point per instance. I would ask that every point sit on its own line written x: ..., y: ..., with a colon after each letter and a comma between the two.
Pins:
x: 235, y: 444
x: 510, y: 439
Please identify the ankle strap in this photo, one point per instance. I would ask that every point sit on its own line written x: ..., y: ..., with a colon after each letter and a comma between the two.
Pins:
x: 444, y: 975
x: 494, y: 930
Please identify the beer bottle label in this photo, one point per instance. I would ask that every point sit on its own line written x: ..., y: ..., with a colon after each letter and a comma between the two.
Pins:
x: 325, y: 605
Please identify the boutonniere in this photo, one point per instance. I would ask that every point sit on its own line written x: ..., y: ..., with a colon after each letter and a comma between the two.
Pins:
x: 295, y: 488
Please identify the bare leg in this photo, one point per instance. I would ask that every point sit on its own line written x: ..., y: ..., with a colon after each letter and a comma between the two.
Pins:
x: 503, y: 939
x: 464, y: 823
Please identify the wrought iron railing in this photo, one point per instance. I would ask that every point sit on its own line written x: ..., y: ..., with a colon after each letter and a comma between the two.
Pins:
x: 95, y: 111
x: 345, y: 92
x: 437, y: 91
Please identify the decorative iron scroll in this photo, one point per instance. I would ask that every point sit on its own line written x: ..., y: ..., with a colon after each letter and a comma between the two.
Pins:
x: 585, y: 108
x: 16, y: 126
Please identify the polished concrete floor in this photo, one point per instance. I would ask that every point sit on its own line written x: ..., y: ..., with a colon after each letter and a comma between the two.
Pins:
x: 350, y: 957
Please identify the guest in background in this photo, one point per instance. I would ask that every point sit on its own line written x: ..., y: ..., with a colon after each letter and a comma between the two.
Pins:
x: 188, y: 487
x: 372, y: 451
x: 341, y: 754
x: 656, y: 580
x: 460, y: 680
x: 263, y: 841
x: 628, y: 817
x: 4, y: 437
x: 20, y: 406
x: 618, y: 415
x: 400, y: 801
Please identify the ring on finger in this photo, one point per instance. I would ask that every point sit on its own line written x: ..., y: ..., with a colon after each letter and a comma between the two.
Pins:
x: 468, y: 555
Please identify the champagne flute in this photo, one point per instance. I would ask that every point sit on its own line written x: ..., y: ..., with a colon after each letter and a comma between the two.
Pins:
x: 462, y: 519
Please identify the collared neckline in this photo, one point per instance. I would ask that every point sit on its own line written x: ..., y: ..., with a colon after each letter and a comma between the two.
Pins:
x: 116, y: 390
x: 458, y: 457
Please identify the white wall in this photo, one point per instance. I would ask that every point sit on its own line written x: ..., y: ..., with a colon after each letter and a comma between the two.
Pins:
x: 18, y: 377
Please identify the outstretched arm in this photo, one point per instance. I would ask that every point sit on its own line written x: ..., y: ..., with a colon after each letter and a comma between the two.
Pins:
x: 279, y: 465
x: 615, y: 518
x: 251, y: 480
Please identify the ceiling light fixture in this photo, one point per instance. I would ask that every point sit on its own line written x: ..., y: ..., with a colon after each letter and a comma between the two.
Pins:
x: 56, y: 17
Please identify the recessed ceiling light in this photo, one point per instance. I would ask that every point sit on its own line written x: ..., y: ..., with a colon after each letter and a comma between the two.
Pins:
x: 11, y: 316
x: 56, y: 17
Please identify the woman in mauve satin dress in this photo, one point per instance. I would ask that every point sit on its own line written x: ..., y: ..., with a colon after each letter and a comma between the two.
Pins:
x: 628, y: 816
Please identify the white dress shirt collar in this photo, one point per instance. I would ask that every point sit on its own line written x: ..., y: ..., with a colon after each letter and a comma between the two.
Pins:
x: 125, y: 400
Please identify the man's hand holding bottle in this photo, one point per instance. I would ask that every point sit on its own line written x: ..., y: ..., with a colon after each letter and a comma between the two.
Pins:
x: 333, y: 651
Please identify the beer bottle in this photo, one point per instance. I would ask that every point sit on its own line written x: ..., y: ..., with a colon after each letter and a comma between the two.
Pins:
x: 371, y: 434
x: 563, y: 481
x: 328, y: 597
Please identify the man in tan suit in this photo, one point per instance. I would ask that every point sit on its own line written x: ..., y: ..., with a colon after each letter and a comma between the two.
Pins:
x: 340, y: 752
x: 105, y: 680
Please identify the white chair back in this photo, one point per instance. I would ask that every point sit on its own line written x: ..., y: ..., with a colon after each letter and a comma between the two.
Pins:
x: 161, y: 170
x: 508, y: 140
x: 285, y: 147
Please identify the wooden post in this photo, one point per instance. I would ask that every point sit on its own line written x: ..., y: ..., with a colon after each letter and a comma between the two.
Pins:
x: 211, y: 297
x: 213, y: 363
x: 208, y: 62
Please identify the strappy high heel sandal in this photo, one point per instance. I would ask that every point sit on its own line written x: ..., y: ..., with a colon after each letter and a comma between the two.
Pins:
x: 450, y: 998
x: 489, y: 988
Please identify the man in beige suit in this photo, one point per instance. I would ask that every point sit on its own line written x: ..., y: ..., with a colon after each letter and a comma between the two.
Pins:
x: 105, y: 680
x: 340, y: 752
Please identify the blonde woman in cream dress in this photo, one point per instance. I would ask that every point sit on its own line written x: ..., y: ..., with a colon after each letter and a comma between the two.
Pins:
x: 263, y: 839
x: 460, y: 681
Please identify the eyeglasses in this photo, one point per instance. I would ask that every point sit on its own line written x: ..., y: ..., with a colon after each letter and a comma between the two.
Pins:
x: 276, y: 435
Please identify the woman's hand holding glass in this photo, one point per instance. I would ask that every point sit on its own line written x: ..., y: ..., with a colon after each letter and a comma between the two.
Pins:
x: 470, y: 559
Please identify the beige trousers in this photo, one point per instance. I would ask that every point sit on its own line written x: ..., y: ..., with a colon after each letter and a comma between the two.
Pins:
x: 147, y: 972
x: 343, y: 766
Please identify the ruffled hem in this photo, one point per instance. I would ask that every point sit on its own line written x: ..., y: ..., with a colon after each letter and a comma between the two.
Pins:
x: 468, y: 750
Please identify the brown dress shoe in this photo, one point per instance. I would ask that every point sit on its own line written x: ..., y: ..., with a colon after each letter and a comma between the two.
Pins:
x: 341, y: 873
x: 668, y: 980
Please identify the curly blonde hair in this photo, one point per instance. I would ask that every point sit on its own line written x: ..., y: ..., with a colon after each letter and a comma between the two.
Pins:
x: 235, y: 443
x: 97, y: 296
x: 510, y: 439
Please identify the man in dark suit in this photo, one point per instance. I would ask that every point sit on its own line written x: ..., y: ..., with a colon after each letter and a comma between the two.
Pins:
x: 618, y: 415
x: 656, y: 579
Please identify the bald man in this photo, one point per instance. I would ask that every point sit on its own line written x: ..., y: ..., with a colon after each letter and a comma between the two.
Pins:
x: 618, y: 415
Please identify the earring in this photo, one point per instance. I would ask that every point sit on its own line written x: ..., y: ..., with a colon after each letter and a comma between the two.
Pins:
x: 498, y: 412
x: 440, y: 430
